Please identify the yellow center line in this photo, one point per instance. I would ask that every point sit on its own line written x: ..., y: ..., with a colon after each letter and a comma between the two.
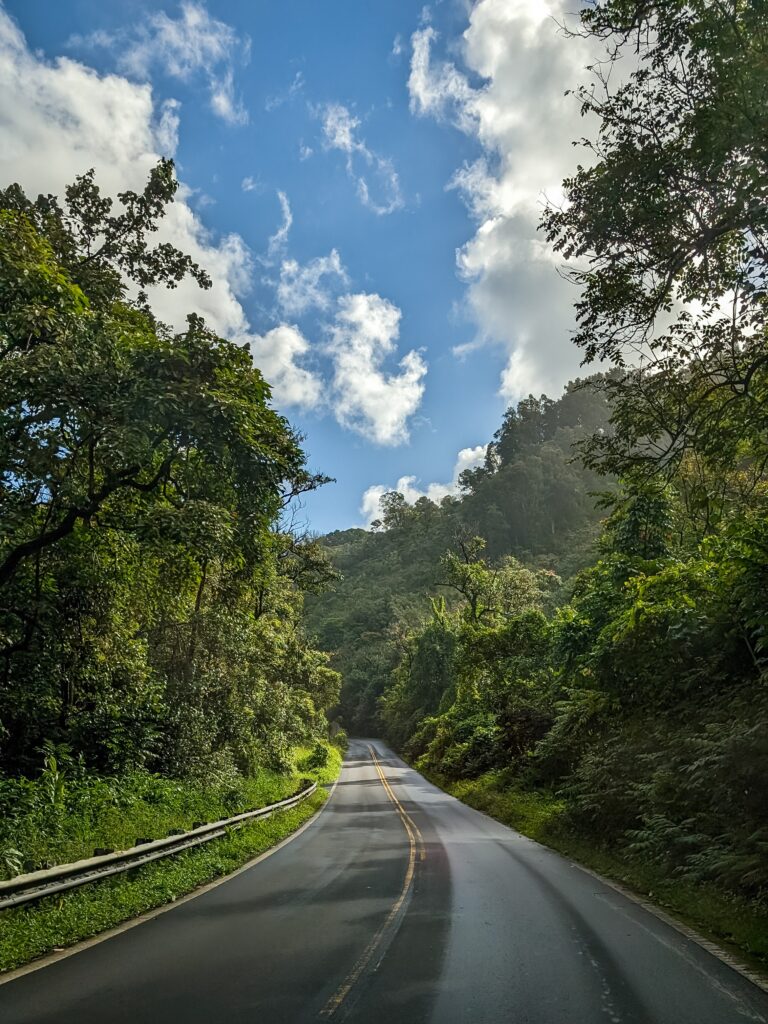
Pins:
x: 415, y: 844
x: 408, y: 821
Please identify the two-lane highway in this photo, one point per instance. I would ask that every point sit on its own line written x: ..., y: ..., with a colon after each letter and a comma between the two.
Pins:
x: 397, y: 903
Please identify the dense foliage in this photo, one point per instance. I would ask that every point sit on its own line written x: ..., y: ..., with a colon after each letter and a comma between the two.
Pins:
x: 633, y: 693
x: 150, y: 602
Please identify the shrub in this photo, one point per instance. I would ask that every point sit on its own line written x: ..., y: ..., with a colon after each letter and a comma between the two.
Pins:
x: 318, y: 758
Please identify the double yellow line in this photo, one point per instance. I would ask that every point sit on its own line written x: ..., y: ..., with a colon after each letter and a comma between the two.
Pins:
x: 415, y: 848
x: 415, y: 837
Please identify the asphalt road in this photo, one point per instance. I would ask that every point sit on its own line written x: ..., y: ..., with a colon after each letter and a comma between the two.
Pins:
x: 396, y: 904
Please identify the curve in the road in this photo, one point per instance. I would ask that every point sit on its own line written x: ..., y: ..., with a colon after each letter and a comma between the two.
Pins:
x: 397, y: 903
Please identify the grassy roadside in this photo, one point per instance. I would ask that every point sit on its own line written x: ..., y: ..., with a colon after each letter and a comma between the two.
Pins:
x: 322, y: 774
x: 30, y: 931
x: 731, y: 922
x: 65, y: 815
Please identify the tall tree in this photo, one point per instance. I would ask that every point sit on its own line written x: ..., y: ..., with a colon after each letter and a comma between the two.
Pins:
x: 143, y: 472
x: 666, y: 231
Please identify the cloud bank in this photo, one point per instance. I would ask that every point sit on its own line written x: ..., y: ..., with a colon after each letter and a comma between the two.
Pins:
x: 524, y: 125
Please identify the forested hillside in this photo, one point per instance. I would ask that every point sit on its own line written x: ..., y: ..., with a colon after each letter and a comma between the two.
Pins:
x: 153, y: 662
x: 533, y: 499
x: 610, y: 687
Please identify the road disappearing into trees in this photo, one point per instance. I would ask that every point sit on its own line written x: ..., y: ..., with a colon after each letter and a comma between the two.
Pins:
x: 397, y: 903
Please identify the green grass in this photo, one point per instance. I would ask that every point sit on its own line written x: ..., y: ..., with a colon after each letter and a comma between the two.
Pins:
x: 533, y: 813
x: 31, y: 931
x: 732, y: 922
x: 113, y: 813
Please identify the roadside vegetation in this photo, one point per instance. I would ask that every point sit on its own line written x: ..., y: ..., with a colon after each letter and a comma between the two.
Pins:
x: 154, y: 668
x: 150, y: 590
x: 30, y: 931
x: 65, y: 814
x: 578, y: 643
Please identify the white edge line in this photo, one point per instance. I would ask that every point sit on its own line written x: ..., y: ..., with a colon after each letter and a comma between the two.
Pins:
x: 48, y: 959
x: 731, y: 960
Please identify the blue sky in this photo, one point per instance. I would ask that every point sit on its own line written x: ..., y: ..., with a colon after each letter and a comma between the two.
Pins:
x: 362, y: 180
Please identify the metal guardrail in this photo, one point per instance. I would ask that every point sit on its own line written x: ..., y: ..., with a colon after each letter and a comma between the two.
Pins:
x: 50, y: 881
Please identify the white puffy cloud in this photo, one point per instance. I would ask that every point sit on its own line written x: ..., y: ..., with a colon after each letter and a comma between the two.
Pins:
x: 408, y: 486
x: 340, y: 132
x: 192, y: 44
x: 167, y: 127
x: 524, y: 123
x: 57, y: 120
x: 308, y: 286
x: 339, y: 128
x: 276, y: 354
x: 366, y: 398
x: 468, y: 458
